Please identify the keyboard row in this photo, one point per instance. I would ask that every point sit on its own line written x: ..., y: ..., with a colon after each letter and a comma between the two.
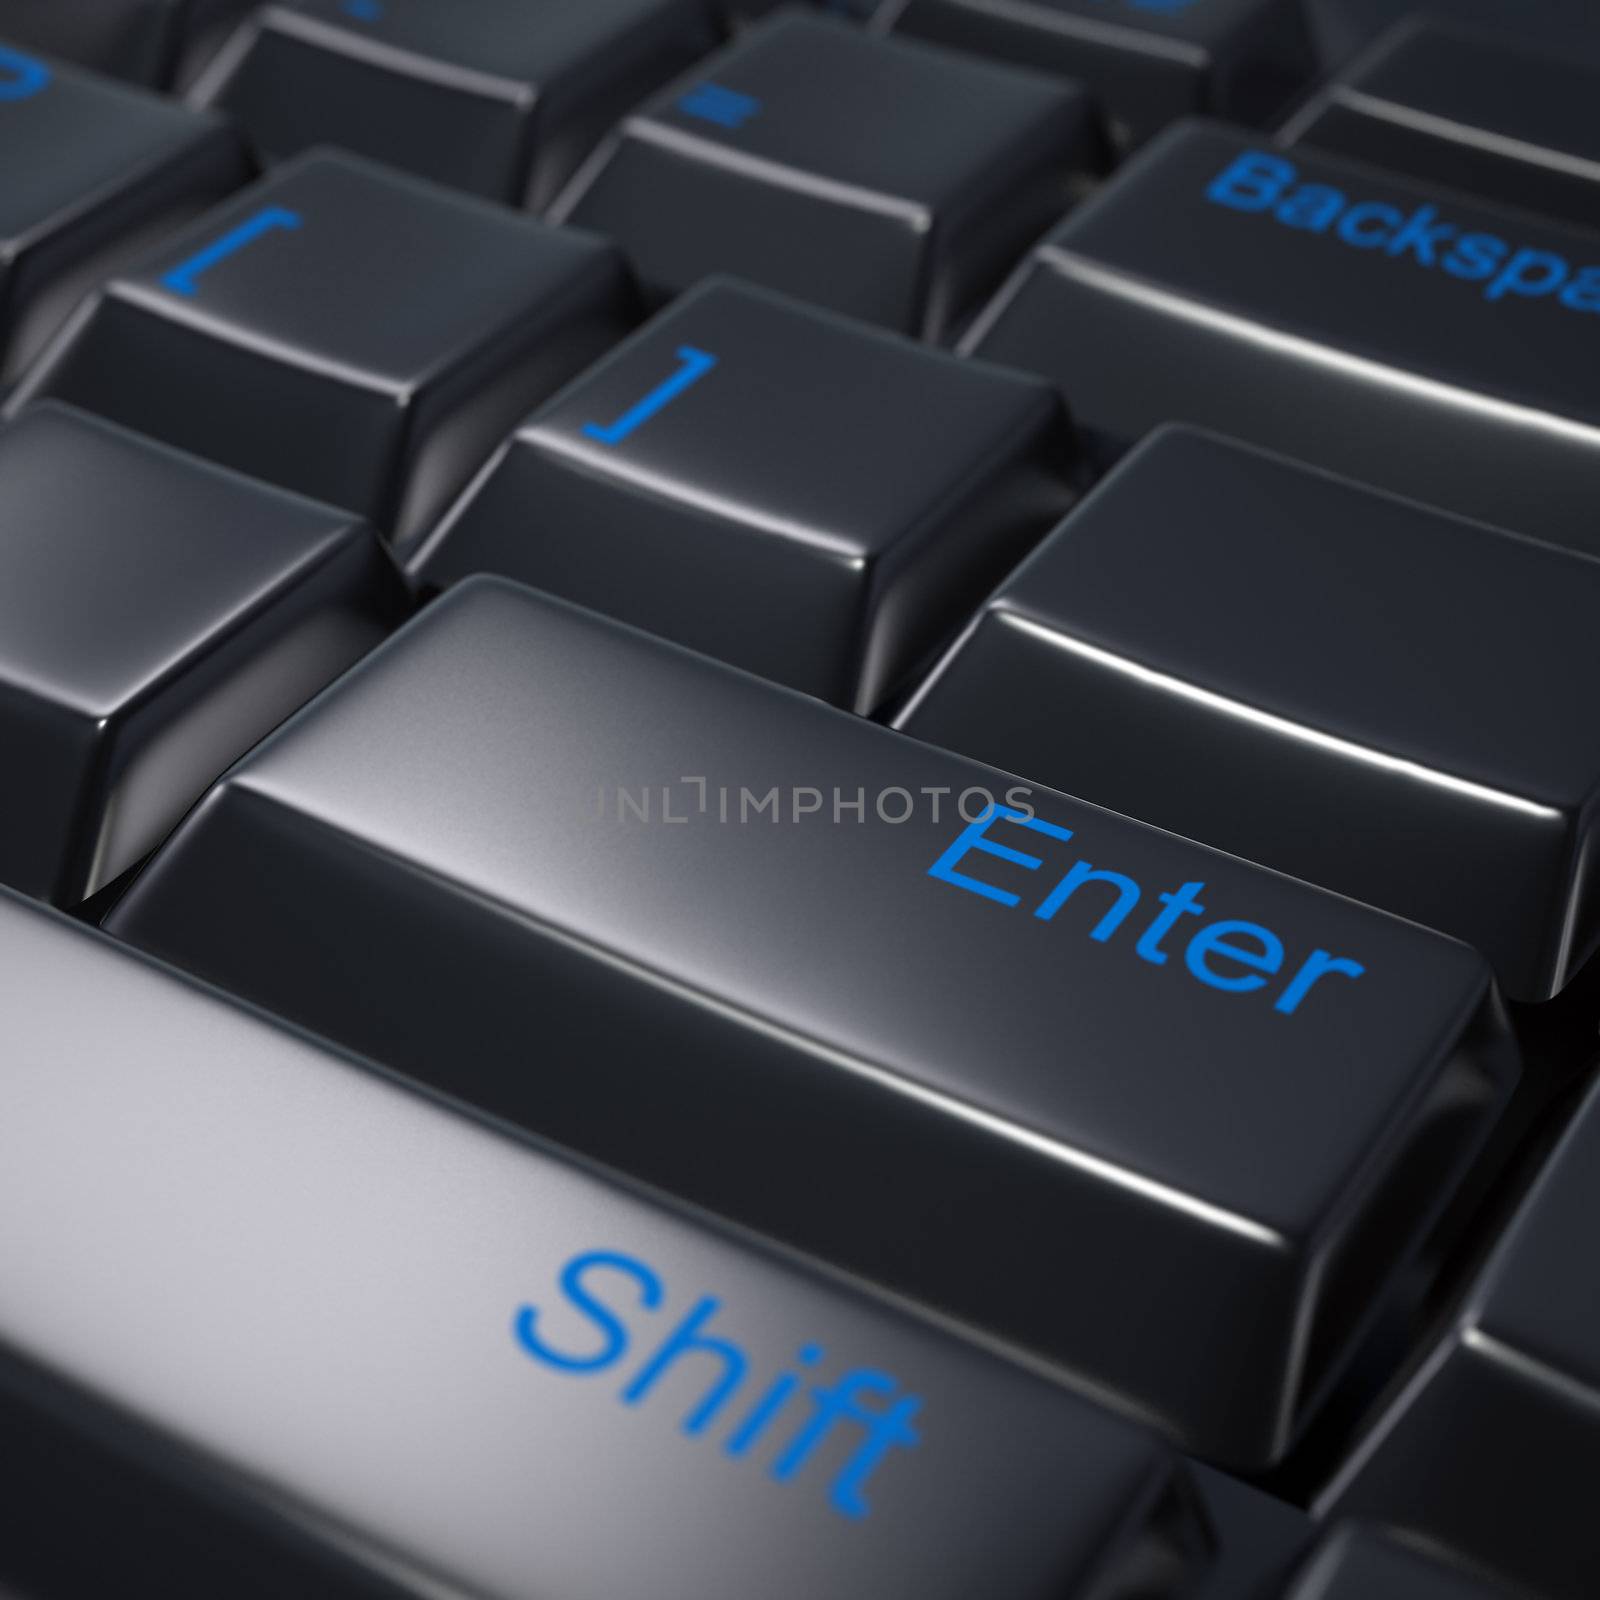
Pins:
x: 674, y: 931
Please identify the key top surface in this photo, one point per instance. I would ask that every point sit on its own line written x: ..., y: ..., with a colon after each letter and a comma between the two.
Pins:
x: 880, y: 177
x: 1147, y: 62
x: 91, y: 169
x: 157, y: 616
x: 500, y: 97
x: 887, y: 1001
x: 344, y: 331
x: 1411, y: 338
x: 1292, y: 668
x: 805, y: 496
x: 459, y: 1349
x: 1565, y: 26
x: 1469, y: 110
x: 1492, y: 1447
x: 1361, y: 1563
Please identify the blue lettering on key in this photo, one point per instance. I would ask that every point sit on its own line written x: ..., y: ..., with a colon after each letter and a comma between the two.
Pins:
x: 710, y: 102
x: 21, y: 77
x: 695, y: 365
x: 184, y: 278
x: 363, y: 10
x: 748, y: 1399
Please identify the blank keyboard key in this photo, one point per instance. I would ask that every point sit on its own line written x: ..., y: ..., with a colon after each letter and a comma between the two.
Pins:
x: 1213, y: 611
x: 157, y: 616
x: 1148, y: 62
x: 344, y: 331
x: 782, y: 976
x: 883, y: 178
x: 500, y: 97
x: 149, y: 41
x: 1471, y: 111
x: 1361, y: 1563
x: 92, y: 171
x: 475, y: 1366
x: 1491, y: 1447
x: 1411, y: 338
x: 1565, y: 27
x: 804, y: 496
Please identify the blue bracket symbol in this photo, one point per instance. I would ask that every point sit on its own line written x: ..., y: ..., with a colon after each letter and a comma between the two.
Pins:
x: 695, y: 364
x: 24, y: 78
x: 184, y: 278
x: 710, y: 102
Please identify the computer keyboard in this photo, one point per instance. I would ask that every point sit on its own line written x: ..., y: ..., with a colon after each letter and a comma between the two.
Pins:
x: 800, y: 800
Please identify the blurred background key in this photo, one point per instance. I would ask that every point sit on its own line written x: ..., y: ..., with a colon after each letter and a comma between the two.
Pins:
x: 881, y: 177
x: 154, y: 42
x: 91, y: 171
x: 1470, y: 110
x: 1146, y: 62
x: 499, y: 97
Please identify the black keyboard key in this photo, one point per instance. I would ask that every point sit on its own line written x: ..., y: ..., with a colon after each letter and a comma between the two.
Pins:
x: 479, y: 1362
x: 804, y: 496
x: 1491, y: 1448
x: 152, y: 42
x: 1213, y: 611
x: 1147, y: 63
x: 875, y: 176
x: 157, y: 616
x: 344, y: 331
x: 1564, y: 26
x: 91, y: 171
x: 500, y: 97
x: 1409, y: 337
x: 806, y: 991
x: 1361, y: 1563
x: 1471, y: 111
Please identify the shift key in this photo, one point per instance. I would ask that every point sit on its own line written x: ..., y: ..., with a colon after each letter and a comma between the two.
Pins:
x: 1416, y: 339
x: 1044, y: 1070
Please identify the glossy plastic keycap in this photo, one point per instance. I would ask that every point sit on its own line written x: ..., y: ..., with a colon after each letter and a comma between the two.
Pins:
x: 880, y: 177
x: 1356, y: 1562
x: 1147, y: 62
x: 1413, y: 338
x: 158, y: 615
x: 1491, y: 1446
x: 1299, y: 670
x: 345, y: 331
x: 461, y: 1360
x: 779, y: 974
x: 499, y: 97
x: 92, y: 170
x: 153, y: 42
x: 808, y: 497
x: 1469, y: 110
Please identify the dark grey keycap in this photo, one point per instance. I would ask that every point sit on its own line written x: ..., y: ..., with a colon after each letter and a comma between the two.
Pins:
x: 1361, y: 1563
x: 1565, y: 26
x: 1471, y: 110
x: 1491, y: 1447
x: 802, y: 495
x: 1148, y: 62
x: 91, y: 172
x: 500, y: 97
x: 1346, y: 686
x: 152, y: 42
x: 345, y: 331
x: 472, y: 1358
x: 158, y: 615
x: 808, y: 1016
x: 1410, y: 337
x: 881, y: 177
